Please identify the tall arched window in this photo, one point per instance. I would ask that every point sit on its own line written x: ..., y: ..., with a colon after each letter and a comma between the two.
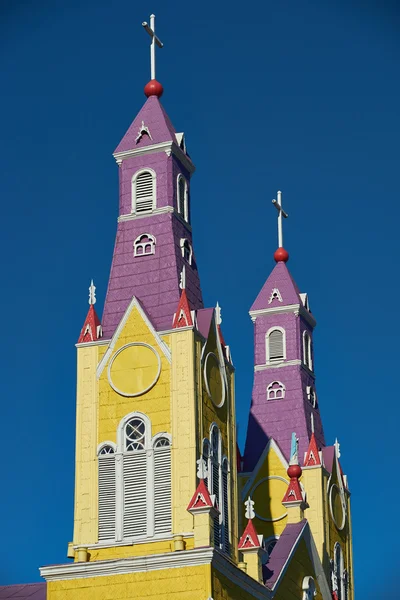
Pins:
x: 225, y: 505
x: 215, y: 460
x: 307, y: 352
x: 135, y: 483
x: 144, y: 192
x: 339, y: 579
x: 275, y: 345
x: 276, y: 391
x: 186, y: 249
x: 107, y: 506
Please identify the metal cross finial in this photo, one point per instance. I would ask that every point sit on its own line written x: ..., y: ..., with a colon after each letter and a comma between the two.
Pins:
x: 249, y: 504
x: 92, y: 293
x: 151, y: 30
x: 281, y: 213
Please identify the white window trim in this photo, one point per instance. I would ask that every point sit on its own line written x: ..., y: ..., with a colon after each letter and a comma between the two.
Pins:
x: 225, y: 467
x: 162, y: 434
x: 270, y: 389
x: 133, y: 190
x: 307, y: 352
x: 137, y: 242
x: 275, y: 360
x: 182, y: 244
x: 185, y: 213
x: 103, y: 444
x: 339, y: 581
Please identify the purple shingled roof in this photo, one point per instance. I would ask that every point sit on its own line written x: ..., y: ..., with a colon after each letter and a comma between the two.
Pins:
x: 281, y: 552
x: 33, y: 591
x: 281, y: 279
x: 328, y: 454
x: 204, y: 316
x: 155, y: 118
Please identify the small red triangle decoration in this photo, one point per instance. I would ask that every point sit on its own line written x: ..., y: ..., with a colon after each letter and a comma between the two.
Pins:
x: 91, y: 330
x: 182, y: 317
x: 249, y: 538
x: 201, y: 498
x: 312, y: 455
x: 293, y: 493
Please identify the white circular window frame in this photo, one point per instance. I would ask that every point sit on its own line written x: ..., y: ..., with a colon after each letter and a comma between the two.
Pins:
x: 283, y: 515
x: 120, y: 392
x: 222, y: 379
x: 341, y: 526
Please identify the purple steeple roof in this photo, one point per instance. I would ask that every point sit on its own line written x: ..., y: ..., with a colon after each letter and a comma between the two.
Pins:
x: 279, y: 279
x: 31, y: 591
x: 154, y: 117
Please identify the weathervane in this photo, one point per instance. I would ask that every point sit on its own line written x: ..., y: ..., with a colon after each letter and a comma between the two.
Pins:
x: 281, y: 213
x: 151, y: 30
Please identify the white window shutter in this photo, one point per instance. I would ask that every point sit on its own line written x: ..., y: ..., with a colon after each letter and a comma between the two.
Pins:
x: 135, y: 502
x: 225, y: 507
x: 162, y: 490
x: 107, y: 497
x: 215, y: 491
x: 275, y: 341
x: 144, y: 192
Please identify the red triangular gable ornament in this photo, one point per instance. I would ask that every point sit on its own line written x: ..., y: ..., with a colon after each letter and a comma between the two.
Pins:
x: 312, y: 457
x: 201, y: 498
x: 91, y: 330
x: 183, y: 316
x: 249, y: 537
x: 293, y: 493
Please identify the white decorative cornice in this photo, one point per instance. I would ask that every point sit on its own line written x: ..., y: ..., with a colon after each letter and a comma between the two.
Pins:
x: 167, y: 147
x: 157, y: 211
x: 289, y: 308
x: 100, y: 342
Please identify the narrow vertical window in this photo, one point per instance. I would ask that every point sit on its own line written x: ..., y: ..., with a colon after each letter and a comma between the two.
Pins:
x: 339, y: 575
x: 143, y: 192
x: 225, y: 506
x: 106, y: 466
x: 275, y: 345
x: 307, y: 351
x: 162, y: 486
x: 215, y: 480
x: 135, y: 479
x: 206, y: 458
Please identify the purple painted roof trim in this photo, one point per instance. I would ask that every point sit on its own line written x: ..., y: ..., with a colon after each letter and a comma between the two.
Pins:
x: 33, y: 591
x: 204, y: 317
x: 281, y: 552
x: 328, y: 454
x: 281, y: 279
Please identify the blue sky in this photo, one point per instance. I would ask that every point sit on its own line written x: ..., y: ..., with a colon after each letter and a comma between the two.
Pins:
x: 301, y: 97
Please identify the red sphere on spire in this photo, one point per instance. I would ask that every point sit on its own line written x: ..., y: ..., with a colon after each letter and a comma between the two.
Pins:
x: 294, y: 471
x: 153, y: 88
x: 281, y: 255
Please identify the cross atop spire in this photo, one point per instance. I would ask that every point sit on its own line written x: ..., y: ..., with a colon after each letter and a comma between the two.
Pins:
x: 151, y: 30
x: 281, y: 253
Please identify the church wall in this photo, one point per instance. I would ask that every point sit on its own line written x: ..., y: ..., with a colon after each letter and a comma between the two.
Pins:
x: 299, y: 567
x: 226, y: 588
x: 289, y: 322
x: 158, y: 162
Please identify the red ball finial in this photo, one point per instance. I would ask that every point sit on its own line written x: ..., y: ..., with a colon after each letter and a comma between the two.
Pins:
x: 281, y: 255
x: 294, y: 471
x: 153, y: 88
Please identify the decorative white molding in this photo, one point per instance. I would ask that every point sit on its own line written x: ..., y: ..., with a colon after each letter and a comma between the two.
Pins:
x: 209, y: 356
x: 133, y: 304
x: 170, y: 147
x: 143, y: 130
x: 100, y: 342
x: 275, y: 295
x: 290, y: 308
x: 275, y: 361
x: 138, y: 243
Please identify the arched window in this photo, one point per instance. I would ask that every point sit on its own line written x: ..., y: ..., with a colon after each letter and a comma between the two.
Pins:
x: 269, y: 544
x: 307, y: 353
x: 276, y: 391
x: 312, y: 396
x: 339, y: 575
x: 162, y: 485
x: 206, y: 458
x: 187, y: 251
x: 275, y: 345
x: 215, y: 462
x: 309, y: 588
x: 135, y: 483
x: 143, y: 192
x: 144, y: 244
x: 225, y: 506
x: 106, y: 506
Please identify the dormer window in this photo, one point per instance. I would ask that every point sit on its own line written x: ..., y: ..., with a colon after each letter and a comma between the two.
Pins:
x: 307, y: 351
x: 144, y: 244
x: 275, y: 345
x: 276, y: 391
x: 144, y: 192
x: 187, y: 251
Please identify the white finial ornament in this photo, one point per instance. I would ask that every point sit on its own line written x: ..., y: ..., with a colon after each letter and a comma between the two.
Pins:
x: 151, y: 30
x: 182, y: 282
x: 312, y: 422
x: 218, y: 314
x: 249, y: 504
x: 202, y: 472
x: 281, y: 213
x: 337, y: 446
x: 92, y: 293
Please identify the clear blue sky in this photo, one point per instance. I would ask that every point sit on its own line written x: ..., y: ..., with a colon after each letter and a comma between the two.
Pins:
x: 302, y: 97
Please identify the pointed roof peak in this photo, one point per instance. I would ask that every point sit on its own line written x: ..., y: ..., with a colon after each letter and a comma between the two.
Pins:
x: 280, y: 289
x: 183, y: 315
x: 91, y: 330
x: 250, y: 539
x: 312, y: 457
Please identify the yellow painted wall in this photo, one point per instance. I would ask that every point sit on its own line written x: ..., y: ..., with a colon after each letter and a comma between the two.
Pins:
x: 299, y: 567
x: 141, y: 549
x: 223, y: 588
x: 188, y: 583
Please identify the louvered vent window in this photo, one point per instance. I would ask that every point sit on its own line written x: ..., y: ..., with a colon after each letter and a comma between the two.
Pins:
x: 215, y: 481
x: 162, y: 486
x: 144, y: 192
x: 225, y: 506
x: 106, y: 493
x: 135, y: 480
x: 275, y: 345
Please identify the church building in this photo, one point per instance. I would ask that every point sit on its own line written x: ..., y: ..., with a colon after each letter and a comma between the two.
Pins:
x: 166, y: 505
